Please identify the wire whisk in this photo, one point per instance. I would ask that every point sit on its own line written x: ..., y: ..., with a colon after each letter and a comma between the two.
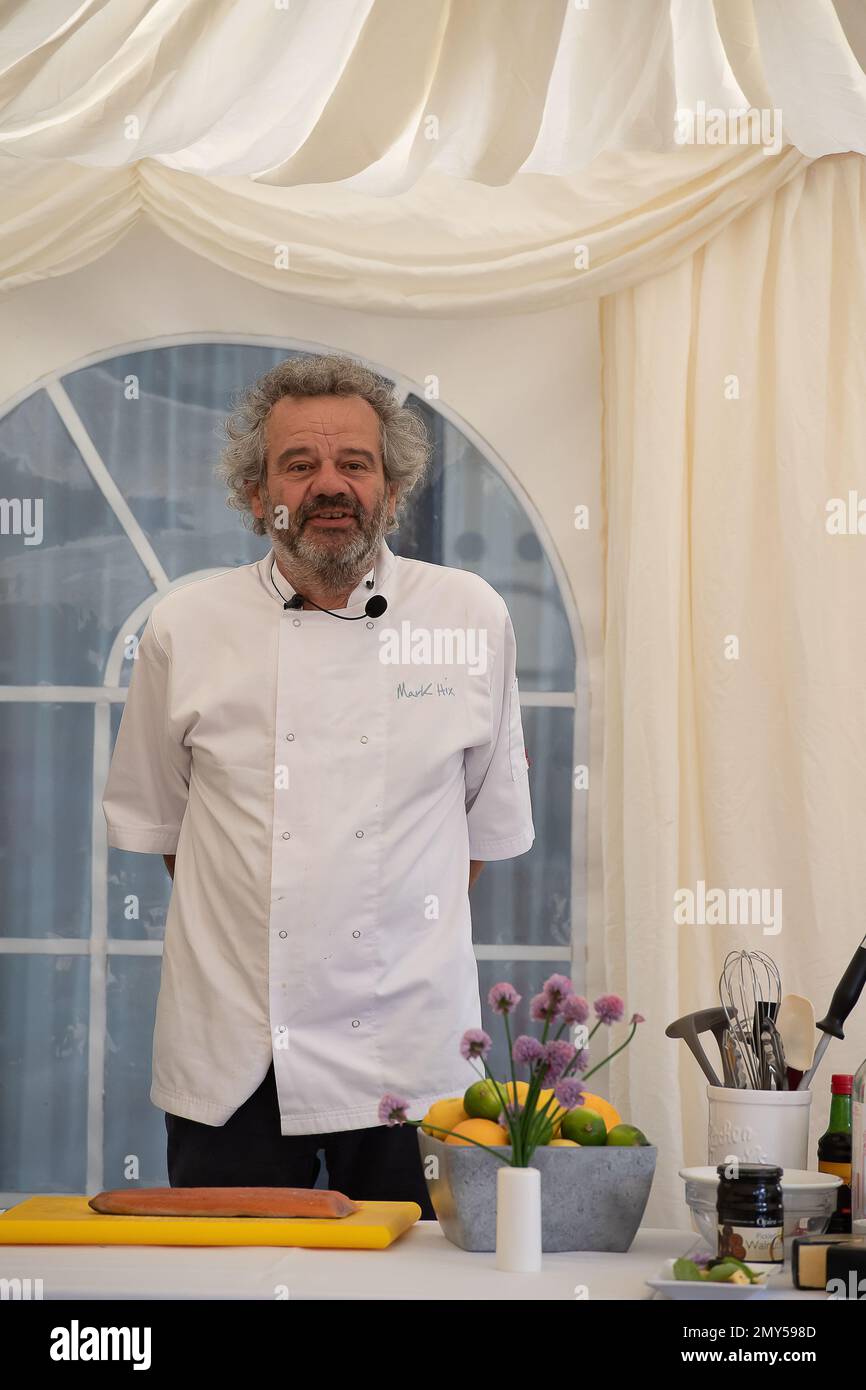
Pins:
x: 750, y: 991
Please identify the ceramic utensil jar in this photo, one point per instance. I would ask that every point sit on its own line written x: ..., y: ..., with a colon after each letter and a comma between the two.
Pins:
x: 759, y: 1126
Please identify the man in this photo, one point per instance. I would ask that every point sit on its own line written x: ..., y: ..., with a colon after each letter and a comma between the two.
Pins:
x: 326, y: 746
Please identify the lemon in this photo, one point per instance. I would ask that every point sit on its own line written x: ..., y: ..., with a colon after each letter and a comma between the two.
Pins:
x: 563, y: 1144
x: 507, y: 1088
x: 445, y: 1114
x: 484, y: 1131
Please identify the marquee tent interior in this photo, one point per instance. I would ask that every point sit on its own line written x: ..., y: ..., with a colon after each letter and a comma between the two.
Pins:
x: 467, y: 171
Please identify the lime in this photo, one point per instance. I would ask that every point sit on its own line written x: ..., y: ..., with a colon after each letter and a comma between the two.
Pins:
x: 584, y: 1126
x: 481, y: 1101
x: 627, y: 1137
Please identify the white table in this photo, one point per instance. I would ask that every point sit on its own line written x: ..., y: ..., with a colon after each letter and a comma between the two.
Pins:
x: 422, y: 1264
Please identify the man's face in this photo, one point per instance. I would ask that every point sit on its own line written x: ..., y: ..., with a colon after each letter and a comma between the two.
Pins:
x: 325, y: 469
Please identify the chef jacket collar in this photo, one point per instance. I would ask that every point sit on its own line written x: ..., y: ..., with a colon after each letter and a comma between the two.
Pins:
x: 379, y: 572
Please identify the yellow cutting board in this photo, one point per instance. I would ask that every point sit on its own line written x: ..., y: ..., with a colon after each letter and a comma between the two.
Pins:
x: 70, y: 1221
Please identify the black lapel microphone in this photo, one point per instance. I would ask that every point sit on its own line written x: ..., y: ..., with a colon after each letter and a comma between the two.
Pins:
x: 374, y: 607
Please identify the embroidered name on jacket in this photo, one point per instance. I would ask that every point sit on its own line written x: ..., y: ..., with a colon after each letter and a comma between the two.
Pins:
x: 405, y: 692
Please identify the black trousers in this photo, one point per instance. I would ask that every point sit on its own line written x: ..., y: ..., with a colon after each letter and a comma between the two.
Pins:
x: 379, y: 1164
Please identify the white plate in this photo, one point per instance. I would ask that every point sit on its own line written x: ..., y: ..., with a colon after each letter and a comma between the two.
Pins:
x: 694, y: 1291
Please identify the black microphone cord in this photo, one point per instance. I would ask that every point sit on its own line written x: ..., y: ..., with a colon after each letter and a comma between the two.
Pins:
x: 374, y: 607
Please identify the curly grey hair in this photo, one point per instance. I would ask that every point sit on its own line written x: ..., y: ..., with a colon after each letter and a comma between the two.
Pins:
x: 406, y: 447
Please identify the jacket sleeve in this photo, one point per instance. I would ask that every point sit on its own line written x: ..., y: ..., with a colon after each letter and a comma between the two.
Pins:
x: 498, y: 807
x: 148, y: 781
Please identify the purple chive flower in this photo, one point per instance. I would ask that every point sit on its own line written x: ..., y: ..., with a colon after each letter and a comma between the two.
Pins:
x: 526, y: 1050
x: 475, y: 1043
x: 557, y: 988
x: 568, y: 1092
x: 503, y: 998
x: 610, y: 1008
x: 541, y: 1008
x: 392, y: 1110
x: 582, y: 1060
x: 638, y: 1018
x: 575, y: 1009
x: 557, y: 1055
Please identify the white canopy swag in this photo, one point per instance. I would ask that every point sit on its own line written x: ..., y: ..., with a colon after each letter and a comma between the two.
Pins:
x: 381, y: 91
x: 464, y: 157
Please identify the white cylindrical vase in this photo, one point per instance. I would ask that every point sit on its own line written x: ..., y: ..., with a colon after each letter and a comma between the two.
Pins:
x: 518, y: 1220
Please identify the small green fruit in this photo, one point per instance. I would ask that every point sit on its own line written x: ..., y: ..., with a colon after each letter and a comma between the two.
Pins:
x: 584, y: 1126
x: 481, y: 1101
x: 626, y: 1137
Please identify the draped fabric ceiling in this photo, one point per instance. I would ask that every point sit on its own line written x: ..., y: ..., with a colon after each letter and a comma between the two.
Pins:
x: 441, y: 156
x: 456, y: 157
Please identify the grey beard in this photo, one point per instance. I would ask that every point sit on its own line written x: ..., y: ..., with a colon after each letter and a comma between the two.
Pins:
x: 333, y: 568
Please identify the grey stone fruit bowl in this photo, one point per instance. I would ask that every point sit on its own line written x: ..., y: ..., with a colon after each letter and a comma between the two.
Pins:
x: 592, y: 1198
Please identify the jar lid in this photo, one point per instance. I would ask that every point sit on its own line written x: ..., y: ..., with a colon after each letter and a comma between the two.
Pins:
x: 753, y: 1171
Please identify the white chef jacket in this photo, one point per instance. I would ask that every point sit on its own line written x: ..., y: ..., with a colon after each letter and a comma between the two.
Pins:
x: 323, y: 806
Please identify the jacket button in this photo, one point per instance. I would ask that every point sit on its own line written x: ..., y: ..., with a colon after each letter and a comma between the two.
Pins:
x: 286, y: 835
x: 364, y: 738
x: 290, y: 738
x: 284, y: 933
x: 356, y: 933
x: 359, y: 834
x: 296, y: 622
x: 356, y: 1023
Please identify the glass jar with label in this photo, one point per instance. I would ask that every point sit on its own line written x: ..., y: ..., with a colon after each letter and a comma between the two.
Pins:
x: 750, y: 1213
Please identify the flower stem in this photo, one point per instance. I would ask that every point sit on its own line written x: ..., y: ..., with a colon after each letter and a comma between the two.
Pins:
x: 605, y: 1060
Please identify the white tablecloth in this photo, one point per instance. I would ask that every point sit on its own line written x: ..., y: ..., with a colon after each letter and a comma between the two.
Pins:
x: 421, y: 1264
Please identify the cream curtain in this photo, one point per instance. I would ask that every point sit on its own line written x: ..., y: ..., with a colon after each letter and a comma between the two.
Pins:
x: 382, y: 91
x: 735, y: 643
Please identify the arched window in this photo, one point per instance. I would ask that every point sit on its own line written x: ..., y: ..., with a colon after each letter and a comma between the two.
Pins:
x: 108, y: 500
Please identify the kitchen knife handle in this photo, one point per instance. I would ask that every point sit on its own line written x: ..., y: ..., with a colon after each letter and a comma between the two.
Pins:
x: 846, y: 994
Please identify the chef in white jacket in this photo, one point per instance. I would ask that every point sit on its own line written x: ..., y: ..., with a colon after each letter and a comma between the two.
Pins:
x: 326, y: 746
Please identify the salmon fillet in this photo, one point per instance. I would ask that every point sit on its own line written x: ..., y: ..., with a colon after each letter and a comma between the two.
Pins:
x: 223, y: 1201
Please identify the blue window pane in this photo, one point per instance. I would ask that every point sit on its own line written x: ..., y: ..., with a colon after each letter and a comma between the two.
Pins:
x: 161, y: 447
x: 46, y: 756
x: 527, y: 900
x: 134, y: 1126
x: 44, y: 1014
x: 466, y: 516
x: 61, y: 601
x: 138, y: 884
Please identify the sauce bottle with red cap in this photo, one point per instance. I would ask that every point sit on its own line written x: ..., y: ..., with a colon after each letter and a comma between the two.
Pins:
x: 834, y: 1149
